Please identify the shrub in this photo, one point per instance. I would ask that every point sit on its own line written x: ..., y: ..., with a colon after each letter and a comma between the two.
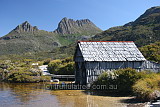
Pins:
x: 67, y: 60
x: 126, y: 78
x: 147, y: 88
x: 145, y: 84
x: 45, y: 78
x: 62, y: 67
x: 20, y: 76
x: 102, y: 79
x: 54, y: 66
x: 123, y: 78
x: 47, y: 61
x: 67, y: 69
x: 25, y: 77
x: 152, y: 51
x: 105, y: 78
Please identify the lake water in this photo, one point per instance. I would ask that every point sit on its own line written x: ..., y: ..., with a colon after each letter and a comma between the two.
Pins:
x: 36, y: 95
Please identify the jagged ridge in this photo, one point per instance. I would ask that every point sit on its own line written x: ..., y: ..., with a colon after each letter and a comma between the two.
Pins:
x: 70, y: 26
x: 25, y: 27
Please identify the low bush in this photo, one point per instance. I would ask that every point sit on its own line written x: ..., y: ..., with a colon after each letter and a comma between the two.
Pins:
x: 26, y: 77
x: 45, y: 78
x: 106, y: 78
x: 124, y: 79
x: 147, y: 89
x: 62, y: 67
x: 47, y: 61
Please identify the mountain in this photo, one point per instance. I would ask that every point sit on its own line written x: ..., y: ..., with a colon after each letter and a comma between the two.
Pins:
x: 70, y: 26
x: 144, y: 30
x: 20, y: 29
x: 27, y: 38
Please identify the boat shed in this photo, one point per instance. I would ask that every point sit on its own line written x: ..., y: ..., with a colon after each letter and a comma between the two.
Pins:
x: 95, y: 57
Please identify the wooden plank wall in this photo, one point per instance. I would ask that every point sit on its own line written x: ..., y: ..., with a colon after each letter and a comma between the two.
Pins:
x: 94, y: 69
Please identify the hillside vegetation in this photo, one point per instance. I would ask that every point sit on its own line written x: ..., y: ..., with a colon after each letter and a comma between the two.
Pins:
x: 152, y: 52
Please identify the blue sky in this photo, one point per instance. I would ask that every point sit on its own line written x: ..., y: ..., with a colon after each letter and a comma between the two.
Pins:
x: 46, y: 14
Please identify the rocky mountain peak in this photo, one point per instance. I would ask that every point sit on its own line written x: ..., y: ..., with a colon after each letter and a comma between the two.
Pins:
x: 64, y: 19
x: 25, y: 27
x: 70, y: 26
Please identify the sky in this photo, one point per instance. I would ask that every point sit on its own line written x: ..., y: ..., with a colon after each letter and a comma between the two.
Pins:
x: 46, y: 14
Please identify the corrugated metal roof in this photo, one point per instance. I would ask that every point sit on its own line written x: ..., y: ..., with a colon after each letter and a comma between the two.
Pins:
x: 110, y: 51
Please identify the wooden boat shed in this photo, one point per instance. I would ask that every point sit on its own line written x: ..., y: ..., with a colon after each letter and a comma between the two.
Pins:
x: 95, y: 57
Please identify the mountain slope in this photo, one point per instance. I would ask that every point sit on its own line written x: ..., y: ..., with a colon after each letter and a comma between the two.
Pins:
x: 144, y: 30
x: 150, y: 17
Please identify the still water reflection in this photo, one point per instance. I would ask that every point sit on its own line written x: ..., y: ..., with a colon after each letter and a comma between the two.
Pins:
x: 35, y: 95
